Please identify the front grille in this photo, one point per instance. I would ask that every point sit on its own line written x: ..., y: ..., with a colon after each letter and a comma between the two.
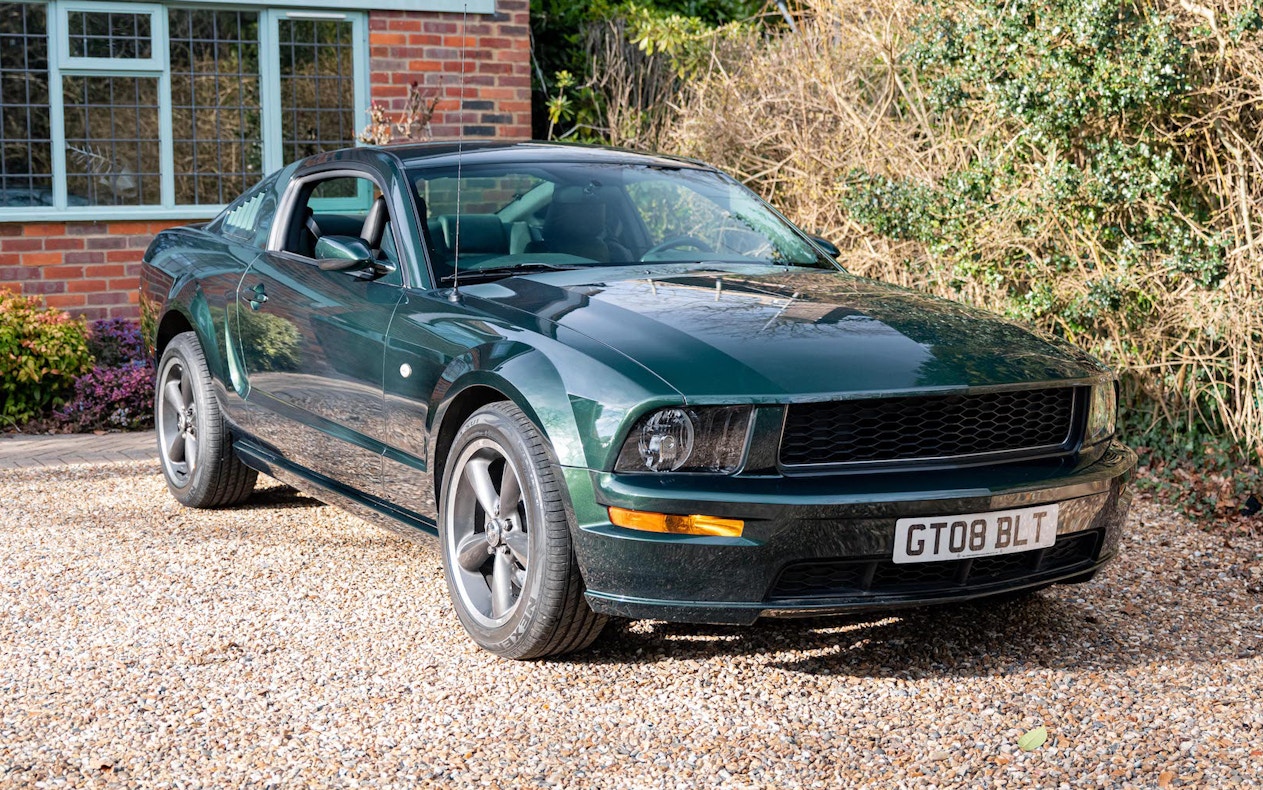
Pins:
x: 932, y: 427
x: 865, y: 577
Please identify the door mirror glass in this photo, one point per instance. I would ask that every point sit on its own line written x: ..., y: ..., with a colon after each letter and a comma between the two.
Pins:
x: 337, y: 253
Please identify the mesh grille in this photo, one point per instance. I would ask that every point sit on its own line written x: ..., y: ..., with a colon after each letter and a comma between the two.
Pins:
x: 884, y: 577
x: 927, y: 427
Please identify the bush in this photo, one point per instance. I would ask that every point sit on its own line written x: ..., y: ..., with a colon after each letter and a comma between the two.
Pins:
x: 1092, y: 169
x: 118, y: 393
x: 115, y: 342
x: 41, y: 352
x: 119, y: 397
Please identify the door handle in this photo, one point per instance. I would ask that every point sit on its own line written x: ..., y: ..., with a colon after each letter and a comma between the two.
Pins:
x: 256, y: 296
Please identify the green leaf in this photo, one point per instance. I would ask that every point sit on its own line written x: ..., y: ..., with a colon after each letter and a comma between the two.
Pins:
x: 1033, y: 739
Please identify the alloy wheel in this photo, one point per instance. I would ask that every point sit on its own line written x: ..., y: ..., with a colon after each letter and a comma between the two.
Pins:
x: 487, y: 532
x: 177, y: 422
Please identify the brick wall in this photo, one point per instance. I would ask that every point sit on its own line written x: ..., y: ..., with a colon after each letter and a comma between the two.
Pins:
x: 84, y: 268
x: 92, y: 268
x: 426, y: 49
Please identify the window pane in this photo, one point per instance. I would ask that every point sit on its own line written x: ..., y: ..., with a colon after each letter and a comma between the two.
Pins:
x: 95, y: 34
x: 215, y: 110
x: 111, y: 141
x: 317, y: 86
x: 26, y: 164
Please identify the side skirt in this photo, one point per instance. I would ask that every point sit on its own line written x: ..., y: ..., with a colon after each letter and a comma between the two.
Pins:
x: 370, y: 508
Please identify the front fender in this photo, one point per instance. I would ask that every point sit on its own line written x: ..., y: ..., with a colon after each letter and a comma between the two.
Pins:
x: 575, y: 400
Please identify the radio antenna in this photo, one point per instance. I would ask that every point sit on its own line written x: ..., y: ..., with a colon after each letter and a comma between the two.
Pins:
x: 454, y: 296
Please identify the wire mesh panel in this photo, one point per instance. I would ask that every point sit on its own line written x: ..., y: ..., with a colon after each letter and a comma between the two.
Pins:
x: 112, y: 156
x: 25, y: 137
x: 110, y: 34
x: 215, y: 108
x: 317, y: 86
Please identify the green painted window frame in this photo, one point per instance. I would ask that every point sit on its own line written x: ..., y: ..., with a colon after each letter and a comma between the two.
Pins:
x: 270, y: 15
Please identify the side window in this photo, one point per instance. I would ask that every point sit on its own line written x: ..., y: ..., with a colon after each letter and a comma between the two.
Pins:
x: 348, y: 206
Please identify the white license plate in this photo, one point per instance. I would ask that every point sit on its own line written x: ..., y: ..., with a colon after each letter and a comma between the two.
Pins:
x: 975, y: 534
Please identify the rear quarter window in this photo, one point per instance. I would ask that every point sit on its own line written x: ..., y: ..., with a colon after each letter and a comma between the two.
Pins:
x: 249, y: 219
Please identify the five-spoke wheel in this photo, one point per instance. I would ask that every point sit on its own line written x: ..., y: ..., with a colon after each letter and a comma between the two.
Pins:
x: 198, y: 462
x: 177, y: 422
x: 506, y: 540
x: 490, y: 531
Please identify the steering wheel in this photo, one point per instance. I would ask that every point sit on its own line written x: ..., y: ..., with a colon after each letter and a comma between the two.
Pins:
x: 678, y: 242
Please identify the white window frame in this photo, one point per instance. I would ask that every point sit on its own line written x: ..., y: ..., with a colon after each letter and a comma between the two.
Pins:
x: 270, y: 14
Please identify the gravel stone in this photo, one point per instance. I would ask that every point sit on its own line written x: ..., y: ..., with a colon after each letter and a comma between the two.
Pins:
x: 285, y: 643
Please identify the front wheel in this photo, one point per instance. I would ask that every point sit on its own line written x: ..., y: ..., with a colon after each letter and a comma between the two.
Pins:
x: 198, y: 462
x: 506, y: 546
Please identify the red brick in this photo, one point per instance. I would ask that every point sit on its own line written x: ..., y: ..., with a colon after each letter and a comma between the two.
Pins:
x: 123, y: 256
x: 128, y: 228
x: 42, y: 258
x: 63, y: 273
x: 106, y: 242
x: 86, y: 286
x: 123, y: 284
x: 13, y: 244
x: 63, y: 243
x: 111, y: 270
x: 10, y: 229
x: 65, y: 300
x: 43, y: 229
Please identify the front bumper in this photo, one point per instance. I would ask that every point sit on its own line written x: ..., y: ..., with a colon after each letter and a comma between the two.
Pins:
x: 823, y: 545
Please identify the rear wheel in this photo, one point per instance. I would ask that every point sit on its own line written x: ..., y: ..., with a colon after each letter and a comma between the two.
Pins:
x: 193, y: 442
x: 506, y: 544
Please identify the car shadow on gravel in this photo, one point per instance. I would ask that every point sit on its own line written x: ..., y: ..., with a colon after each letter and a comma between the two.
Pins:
x: 277, y: 497
x: 967, y: 640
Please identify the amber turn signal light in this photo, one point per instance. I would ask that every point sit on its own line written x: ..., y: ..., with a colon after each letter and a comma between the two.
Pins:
x: 677, y: 525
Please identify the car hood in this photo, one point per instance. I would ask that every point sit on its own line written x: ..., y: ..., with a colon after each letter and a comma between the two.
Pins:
x: 782, y: 333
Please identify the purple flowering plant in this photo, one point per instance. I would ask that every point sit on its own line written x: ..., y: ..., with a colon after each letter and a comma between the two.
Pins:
x: 118, y: 393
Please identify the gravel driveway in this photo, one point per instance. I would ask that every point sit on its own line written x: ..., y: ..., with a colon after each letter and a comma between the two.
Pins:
x: 287, y: 643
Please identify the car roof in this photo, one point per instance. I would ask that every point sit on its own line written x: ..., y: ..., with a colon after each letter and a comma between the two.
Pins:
x: 501, y: 151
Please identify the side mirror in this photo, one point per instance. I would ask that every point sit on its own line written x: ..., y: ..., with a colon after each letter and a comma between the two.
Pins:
x: 343, y: 253
x: 826, y: 245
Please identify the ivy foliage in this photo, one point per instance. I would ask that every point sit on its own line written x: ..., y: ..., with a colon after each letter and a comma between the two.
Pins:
x: 1085, y: 172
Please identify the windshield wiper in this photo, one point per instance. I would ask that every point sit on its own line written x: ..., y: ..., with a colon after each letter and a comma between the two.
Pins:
x: 507, y: 271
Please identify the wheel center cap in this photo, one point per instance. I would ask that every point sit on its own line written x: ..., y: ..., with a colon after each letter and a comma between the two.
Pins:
x: 494, y: 530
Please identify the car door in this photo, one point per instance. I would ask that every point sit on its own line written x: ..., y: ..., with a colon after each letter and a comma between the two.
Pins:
x: 312, y: 339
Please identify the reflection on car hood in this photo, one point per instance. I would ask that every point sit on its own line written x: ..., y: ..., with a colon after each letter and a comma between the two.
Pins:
x: 775, y: 331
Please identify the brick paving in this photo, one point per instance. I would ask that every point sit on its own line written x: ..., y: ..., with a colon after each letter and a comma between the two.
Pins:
x: 18, y: 451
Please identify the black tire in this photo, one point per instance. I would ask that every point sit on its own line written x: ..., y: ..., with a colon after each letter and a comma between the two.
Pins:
x: 512, y: 575
x: 198, y: 462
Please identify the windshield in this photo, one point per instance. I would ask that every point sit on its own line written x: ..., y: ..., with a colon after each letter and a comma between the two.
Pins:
x: 530, y: 216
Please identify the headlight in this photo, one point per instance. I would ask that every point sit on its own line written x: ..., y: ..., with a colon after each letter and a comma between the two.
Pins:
x: 1102, y: 413
x: 678, y: 439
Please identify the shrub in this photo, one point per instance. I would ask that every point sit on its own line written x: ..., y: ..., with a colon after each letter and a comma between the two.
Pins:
x: 41, y: 352
x: 1092, y: 169
x: 119, y: 397
x: 115, y: 342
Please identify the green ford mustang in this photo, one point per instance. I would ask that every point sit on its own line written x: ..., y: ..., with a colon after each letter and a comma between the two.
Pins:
x: 615, y: 384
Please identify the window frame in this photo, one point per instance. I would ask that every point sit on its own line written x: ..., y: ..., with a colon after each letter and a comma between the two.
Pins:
x: 159, y: 66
